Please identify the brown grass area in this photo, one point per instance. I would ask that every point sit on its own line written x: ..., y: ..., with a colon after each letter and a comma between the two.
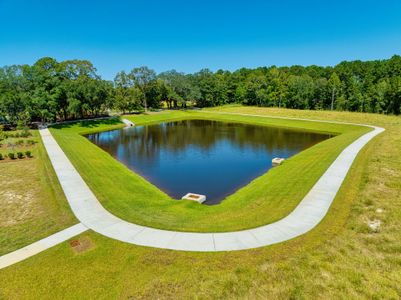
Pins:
x: 20, y: 197
x: 32, y: 203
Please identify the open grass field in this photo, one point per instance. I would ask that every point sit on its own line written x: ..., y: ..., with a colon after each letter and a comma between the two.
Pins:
x: 264, y: 200
x: 32, y: 203
x: 341, y: 258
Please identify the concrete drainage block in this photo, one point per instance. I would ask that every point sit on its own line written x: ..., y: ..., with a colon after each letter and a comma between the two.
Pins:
x: 194, y: 197
x: 127, y: 123
x: 277, y: 161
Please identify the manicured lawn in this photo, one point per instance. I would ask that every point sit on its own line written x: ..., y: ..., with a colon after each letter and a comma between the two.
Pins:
x: 265, y: 200
x: 341, y: 258
x: 32, y: 203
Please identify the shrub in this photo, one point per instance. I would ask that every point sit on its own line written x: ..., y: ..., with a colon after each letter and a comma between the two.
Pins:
x: 28, y: 154
x: 11, y: 155
x: 20, y: 155
x: 3, y: 136
x: 30, y: 142
x: 19, y: 142
x: 20, y: 124
x: 25, y: 132
x: 1, y: 156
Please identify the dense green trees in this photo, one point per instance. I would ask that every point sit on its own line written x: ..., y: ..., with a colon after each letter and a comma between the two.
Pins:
x: 50, y: 90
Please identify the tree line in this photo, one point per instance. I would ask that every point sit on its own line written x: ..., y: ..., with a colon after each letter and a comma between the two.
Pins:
x: 50, y: 90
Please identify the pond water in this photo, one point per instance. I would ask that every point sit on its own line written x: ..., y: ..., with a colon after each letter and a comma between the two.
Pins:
x: 202, y: 156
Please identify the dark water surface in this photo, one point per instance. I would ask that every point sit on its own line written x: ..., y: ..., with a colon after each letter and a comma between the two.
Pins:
x: 201, y: 156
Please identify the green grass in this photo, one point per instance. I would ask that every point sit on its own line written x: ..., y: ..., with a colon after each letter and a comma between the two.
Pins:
x: 339, y: 259
x: 32, y: 202
x: 265, y: 200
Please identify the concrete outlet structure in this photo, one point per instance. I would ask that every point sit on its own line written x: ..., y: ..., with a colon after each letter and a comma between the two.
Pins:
x: 194, y: 197
x: 277, y: 161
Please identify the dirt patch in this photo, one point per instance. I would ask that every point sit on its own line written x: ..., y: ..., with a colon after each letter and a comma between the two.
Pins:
x: 81, y: 244
x: 19, y: 193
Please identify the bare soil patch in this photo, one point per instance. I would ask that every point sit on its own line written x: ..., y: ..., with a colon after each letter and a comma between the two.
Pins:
x: 81, y: 244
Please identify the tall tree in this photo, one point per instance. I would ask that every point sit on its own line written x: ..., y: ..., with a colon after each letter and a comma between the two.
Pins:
x: 143, y: 77
x: 334, y: 85
x: 127, y: 97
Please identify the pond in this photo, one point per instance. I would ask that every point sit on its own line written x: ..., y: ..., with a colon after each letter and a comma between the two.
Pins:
x: 202, y: 156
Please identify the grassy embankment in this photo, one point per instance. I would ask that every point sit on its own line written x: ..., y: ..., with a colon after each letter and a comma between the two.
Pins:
x: 266, y: 199
x: 32, y: 203
x: 341, y: 258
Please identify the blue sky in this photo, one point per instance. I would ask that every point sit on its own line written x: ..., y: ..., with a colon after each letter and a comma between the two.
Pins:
x: 191, y: 35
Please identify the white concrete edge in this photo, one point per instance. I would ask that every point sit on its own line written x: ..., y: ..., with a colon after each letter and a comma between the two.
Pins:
x: 309, y: 212
x: 127, y: 122
x: 41, y: 245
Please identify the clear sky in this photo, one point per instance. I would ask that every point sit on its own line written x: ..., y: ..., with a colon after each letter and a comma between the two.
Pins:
x: 191, y: 35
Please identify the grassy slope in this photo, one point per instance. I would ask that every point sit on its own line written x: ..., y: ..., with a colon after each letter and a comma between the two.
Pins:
x: 33, y: 205
x: 264, y: 200
x: 340, y: 258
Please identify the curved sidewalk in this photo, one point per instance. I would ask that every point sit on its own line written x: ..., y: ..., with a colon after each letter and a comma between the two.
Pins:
x: 305, y: 216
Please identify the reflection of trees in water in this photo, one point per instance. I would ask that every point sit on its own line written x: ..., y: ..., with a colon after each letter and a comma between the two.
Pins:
x: 147, y: 141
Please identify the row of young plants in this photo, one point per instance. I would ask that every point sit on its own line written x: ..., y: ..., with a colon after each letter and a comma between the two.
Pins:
x: 19, y: 143
x: 25, y: 133
x: 22, y: 133
x: 19, y: 155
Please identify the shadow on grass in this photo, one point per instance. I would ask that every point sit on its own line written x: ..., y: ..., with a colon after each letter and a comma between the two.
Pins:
x: 90, y: 123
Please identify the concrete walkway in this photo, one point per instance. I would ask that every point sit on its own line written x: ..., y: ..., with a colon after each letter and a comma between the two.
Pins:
x: 39, y: 246
x: 306, y: 215
x: 92, y: 215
